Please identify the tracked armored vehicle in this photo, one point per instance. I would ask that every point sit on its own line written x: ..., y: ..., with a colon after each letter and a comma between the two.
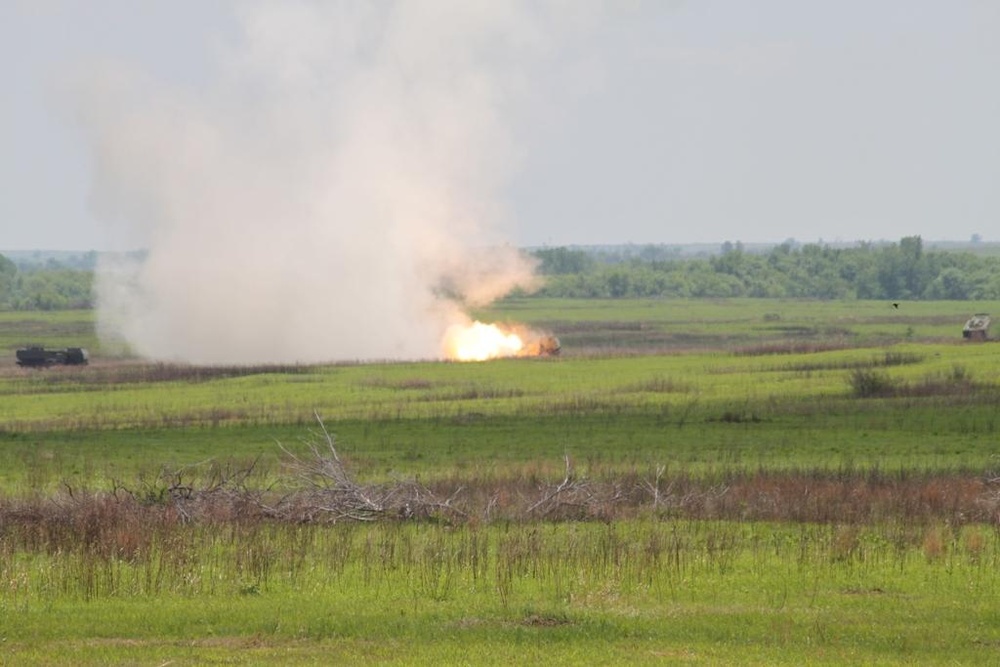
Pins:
x: 977, y: 328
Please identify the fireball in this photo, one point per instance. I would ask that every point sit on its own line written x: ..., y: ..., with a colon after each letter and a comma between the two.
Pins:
x: 479, y: 342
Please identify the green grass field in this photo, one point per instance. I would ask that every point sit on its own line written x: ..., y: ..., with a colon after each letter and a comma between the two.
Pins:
x: 691, y: 482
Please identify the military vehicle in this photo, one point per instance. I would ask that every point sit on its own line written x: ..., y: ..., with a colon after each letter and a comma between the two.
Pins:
x: 546, y: 346
x: 37, y: 356
x: 549, y: 346
x: 977, y: 328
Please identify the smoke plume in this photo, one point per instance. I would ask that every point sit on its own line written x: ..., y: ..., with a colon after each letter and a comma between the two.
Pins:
x: 333, y: 194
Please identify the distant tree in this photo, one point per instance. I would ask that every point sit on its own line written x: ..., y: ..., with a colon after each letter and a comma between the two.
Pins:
x: 986, y: 285
x: 867, y: 271
x: 951, y: 283
x: 43, y: 287
x: 8, y: 275
x: 559, y: 261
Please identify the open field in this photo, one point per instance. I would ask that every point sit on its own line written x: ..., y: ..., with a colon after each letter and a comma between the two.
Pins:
x: 741, y: 482
x: 732, y: 324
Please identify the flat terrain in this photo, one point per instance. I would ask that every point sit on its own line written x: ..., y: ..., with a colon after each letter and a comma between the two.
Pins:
x: 704, y: 482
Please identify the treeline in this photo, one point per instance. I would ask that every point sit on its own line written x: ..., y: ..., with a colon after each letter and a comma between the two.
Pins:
x: 896, y: 271
x: 44, y: 287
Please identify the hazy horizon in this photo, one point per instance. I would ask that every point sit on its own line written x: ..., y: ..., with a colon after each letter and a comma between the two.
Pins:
x: 648, y: 123
x: 693, y: 244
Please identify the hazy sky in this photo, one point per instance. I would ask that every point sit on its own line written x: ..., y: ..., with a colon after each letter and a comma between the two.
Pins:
x: 658, y: 122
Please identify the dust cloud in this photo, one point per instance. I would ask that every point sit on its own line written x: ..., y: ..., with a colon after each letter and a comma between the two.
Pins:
x: 333, y: 193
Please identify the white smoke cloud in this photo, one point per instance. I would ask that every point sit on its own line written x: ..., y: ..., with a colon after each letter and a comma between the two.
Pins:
x: 341, y: 173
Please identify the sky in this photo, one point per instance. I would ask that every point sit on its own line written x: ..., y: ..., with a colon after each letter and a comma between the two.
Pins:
x: 601, y: 123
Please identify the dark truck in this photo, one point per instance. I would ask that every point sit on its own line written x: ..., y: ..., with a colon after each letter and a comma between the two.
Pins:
x: 37, y: 356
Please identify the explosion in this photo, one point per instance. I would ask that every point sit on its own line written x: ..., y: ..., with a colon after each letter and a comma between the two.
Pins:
x: 478, y: 342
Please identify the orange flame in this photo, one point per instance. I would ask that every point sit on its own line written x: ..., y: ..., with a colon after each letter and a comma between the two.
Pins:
x: 479, y: 342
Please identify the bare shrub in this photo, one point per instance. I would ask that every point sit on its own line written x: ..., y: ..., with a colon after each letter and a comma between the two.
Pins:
x: 659, y: 385
x: 472, y: 392
x: 99, y: 376
x: 792, y: 347
x: 958, y: 382
x: 573, y: 498
x: 869, y: 383
x: 899, y: 359
x: 412, y: 383
x: 330, y: 492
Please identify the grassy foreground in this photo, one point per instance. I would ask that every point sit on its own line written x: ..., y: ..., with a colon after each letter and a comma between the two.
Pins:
x: 744, y: 482
x: 630, y: 592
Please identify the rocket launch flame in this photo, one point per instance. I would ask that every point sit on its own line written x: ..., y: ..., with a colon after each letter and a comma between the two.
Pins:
x: 479, y: 342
